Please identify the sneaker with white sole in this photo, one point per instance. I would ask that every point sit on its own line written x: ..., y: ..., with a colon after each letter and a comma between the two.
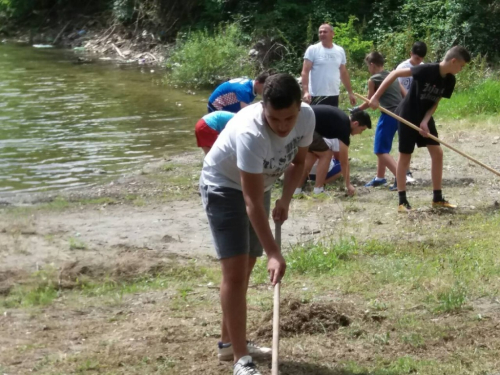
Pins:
x: 376, y: 182
x: 409, y: 177
x: 245, y: 366
x: 226, y: 351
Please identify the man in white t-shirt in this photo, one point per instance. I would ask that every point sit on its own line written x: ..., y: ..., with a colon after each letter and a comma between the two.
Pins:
x: 258, y: 144
x: 323, y: 70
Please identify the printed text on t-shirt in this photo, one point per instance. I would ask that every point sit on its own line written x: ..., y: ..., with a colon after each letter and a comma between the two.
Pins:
x: 431, y: 93
x: 279, y: 166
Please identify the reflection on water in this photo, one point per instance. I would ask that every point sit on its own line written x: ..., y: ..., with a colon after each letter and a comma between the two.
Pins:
x: 65, y: 125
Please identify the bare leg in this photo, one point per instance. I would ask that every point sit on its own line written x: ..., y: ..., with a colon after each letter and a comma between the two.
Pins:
x: 333, y: 178
x: 324, y: 159
x: 225, y: 333
x: 206, y: 149
x: 310, y: 160
x: 235, y: 271
x: 386, y: 161
x: 403, y: 164
x: 436, y: 153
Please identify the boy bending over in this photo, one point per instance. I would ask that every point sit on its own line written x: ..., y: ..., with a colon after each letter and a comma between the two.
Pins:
x: 332, y: 123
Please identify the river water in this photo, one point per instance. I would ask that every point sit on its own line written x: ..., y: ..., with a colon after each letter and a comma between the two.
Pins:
x: 64, y: 124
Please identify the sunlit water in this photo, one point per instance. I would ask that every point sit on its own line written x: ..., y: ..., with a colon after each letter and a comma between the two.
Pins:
x: 64, y: 124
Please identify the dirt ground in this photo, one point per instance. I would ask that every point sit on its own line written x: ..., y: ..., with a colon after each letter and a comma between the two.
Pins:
x: 113, y: 235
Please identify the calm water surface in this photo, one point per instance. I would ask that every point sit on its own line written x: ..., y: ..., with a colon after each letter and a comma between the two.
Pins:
x: 64, y: 125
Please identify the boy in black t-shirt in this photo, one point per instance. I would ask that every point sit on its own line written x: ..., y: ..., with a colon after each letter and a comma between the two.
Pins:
x: 431, y: 82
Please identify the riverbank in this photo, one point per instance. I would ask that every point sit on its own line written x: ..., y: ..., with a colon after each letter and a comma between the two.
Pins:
x: 120, y: 278
x: 94, y: 38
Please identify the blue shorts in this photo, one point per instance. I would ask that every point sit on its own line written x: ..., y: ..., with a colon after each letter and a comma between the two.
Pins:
x: 332, y: 172
x: 384, y: 134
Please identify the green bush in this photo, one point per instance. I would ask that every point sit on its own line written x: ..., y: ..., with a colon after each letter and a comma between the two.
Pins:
x: 349, y: 38
x: 204, y: 59
x: 480, y: 99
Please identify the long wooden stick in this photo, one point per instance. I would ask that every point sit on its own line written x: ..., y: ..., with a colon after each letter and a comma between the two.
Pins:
x: 276, y: 310
x: 400, y: 119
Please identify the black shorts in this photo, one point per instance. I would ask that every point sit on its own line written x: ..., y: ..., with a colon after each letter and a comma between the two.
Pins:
x: 318, y: 144
x: 409, y: 137
x: 327, y: 100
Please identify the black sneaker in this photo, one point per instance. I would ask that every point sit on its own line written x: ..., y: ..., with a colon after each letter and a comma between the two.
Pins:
x: 245, y: 366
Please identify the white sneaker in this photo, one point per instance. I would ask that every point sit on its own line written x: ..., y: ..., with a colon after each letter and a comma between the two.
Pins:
x: 297, y: 191
x: 409, y: 177
x: 245, y: 366
x: 226, y: 351
x: 319, y: 190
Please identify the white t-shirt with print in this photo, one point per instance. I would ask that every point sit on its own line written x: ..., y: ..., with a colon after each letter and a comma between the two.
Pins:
x: 248, y: 144
x: 324, y: 77
x: 406, y: 81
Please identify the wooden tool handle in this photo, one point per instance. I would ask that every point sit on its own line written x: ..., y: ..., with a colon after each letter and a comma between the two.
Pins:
x: 276, y: 310
x: 402, y: 120
x: 276, y: 329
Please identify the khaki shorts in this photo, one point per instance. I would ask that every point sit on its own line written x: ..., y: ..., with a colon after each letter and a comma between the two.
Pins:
x: 318, y: 144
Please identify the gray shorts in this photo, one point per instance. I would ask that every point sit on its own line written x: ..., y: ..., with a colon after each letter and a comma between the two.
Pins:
x: 232, y: 232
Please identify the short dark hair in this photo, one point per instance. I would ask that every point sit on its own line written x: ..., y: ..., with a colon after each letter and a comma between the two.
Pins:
x: 281, y: 91
x: 362, y: 117
x: 419, y: 49
x: 262, y: 77
x: 375, y: 58
x: 459, y: 53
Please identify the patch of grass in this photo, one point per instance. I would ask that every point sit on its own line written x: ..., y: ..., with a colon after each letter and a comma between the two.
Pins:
x: 322, y: 258
x: 183, y: 276
x: 168, y: 167
x: 40, y: 290
x: 88, y: 365
x: 98, y: 201
x: 76, y: 244
x: 451, y: 299
x: 480, y: 99
x: 42, y: 287
x: 414, y: 339
x: 399, y: 366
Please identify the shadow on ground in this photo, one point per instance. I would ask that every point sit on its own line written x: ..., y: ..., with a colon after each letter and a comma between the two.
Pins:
x: 296, y: 368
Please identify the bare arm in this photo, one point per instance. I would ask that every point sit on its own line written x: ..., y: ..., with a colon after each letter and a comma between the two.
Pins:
x: 253, y: 193
x: 344, y: 165
x: 374, y: 101
x: 403, y: 90
x: 306, y: 68
x: 371, y: 91
x: 424, y: 124
x: 346, y: 80
x: 293, y: 176
x: 243, y: 104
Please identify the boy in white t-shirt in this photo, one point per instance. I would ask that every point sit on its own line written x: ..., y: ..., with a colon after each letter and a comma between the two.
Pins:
x: 258, y: 144
x: 417, y: 55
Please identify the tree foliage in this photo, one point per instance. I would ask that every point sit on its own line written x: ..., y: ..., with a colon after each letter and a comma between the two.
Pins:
x: 391, y: 25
